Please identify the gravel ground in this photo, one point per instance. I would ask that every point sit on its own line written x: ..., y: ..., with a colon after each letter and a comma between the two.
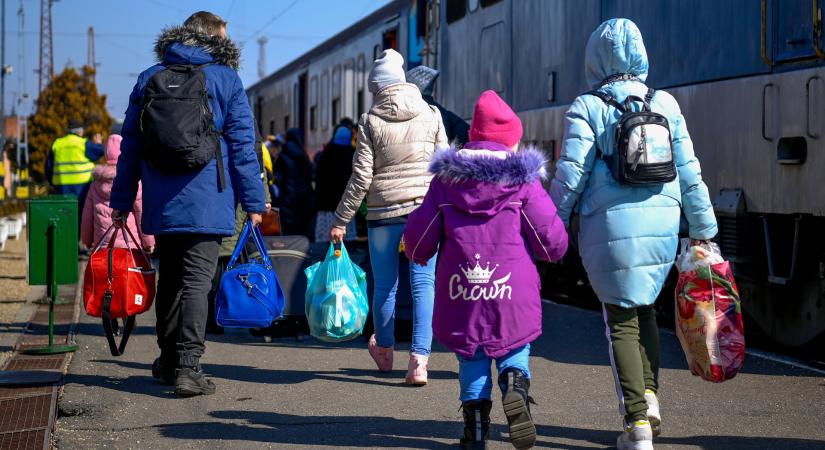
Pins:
x: 13, y: 285
x: 14, y: 288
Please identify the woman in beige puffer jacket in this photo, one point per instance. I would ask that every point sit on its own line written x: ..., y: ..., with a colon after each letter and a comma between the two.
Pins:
x: 396, y: 141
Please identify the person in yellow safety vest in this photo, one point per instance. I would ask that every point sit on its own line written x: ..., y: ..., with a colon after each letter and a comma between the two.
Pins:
x: 71, y: 161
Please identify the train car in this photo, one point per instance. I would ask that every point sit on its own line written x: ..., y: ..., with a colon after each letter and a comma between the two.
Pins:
x: 748, y: 74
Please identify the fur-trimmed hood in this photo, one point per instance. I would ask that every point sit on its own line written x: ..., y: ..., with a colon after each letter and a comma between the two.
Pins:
x: 192, y: 47
x: 487, y: 162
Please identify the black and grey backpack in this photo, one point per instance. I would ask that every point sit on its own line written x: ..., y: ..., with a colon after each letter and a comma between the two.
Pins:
x: 176, y: 124
x: 643, y: 153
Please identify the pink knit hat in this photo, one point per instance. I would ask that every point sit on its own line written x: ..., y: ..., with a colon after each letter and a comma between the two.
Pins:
x: 113, y: 148
x: 493, y: 120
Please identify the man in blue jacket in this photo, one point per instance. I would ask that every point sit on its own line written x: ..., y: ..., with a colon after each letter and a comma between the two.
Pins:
x: 189, y: 213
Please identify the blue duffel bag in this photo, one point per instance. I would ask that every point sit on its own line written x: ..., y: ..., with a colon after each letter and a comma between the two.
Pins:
x: 250, y: 295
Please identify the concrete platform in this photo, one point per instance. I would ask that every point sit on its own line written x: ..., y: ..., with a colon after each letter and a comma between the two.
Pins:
x: 310, y: 395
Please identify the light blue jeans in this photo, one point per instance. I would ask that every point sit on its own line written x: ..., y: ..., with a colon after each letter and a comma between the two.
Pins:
x: 474, y: 373
x: 384, y: 242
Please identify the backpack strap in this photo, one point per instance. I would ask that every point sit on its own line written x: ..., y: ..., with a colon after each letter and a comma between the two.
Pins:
x: 218, y: 148
x: 605, y: 97
x: 649, y: 97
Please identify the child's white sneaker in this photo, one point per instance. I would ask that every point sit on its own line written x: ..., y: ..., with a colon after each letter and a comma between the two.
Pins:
x: 636, y: 436
x: 653, y: 413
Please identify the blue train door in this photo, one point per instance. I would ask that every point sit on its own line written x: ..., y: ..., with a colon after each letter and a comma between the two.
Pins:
x: 791, y: 31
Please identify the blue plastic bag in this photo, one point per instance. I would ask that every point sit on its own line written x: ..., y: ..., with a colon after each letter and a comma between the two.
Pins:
x: 250, y: 295
x: 336, y: 298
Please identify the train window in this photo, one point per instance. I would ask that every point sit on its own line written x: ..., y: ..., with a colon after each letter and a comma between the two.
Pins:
x: 389, y: 39
x: 336, y: 81
x: 456, y: 10
x: 271, y: 127
x: 324, y: 100
x: 486, y: 3
x: 360, y: 102
x: 336, y: 111
x: 313, y: 118
x: 286, y: 122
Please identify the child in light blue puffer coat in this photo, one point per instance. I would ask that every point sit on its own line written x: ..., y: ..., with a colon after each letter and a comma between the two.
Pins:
x: 629, y: 234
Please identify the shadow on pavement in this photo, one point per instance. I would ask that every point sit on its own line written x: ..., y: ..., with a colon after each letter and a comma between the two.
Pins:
x: 134, y: 384
x: 329, y: 431
x: 277, y: 376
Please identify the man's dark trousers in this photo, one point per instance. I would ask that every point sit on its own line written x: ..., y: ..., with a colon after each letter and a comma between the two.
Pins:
x: 187, y: 265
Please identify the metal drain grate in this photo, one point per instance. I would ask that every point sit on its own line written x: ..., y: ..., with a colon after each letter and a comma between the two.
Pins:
x: 20, y: 392
x: 24, y: 440
x: 36, y: 363
x: 28, y: 413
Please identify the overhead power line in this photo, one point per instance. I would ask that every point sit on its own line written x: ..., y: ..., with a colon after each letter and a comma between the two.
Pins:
x: 272, y: 20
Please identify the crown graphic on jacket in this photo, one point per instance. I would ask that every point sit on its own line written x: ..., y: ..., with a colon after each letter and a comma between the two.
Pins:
x: 478, y: 275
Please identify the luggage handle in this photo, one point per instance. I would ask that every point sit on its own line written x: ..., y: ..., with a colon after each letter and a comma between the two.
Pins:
x: 248, y: 229
x: 113, y: 231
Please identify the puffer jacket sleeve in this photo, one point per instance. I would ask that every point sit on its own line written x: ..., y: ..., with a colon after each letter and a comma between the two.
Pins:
x: 425, y: 227
x: 541, y: 226
x: 146, y: 240
x: 361, y: 178
x: 239, y: 133
x: 125, y: 186
x: 441, y: 140
x: 578, y: 155
x: 695, y: 197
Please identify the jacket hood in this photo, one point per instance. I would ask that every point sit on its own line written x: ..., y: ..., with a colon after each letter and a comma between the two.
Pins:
x: 182, y: 45
x: 399, y: 103
x: 485, y: 176
x: 615, y: 47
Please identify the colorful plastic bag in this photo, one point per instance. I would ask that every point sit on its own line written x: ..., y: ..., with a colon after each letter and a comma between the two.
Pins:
x: 336, y: 297
x: 708, y: 313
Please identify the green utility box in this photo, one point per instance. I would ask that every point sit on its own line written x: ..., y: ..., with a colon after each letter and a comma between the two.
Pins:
x: 60, y: 210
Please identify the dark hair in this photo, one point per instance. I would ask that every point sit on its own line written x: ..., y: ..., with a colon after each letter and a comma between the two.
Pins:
x: 346, y: 122
x: 205, y: 22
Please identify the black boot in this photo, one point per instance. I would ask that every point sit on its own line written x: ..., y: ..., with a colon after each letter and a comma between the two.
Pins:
x: 191, y: 381
x: 515, y: 389
x: 476, y: 424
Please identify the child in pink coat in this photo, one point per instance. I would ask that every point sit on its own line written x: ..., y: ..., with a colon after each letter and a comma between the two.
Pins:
x: 97, y: 215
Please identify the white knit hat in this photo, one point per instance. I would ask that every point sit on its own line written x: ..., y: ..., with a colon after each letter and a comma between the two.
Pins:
x: 387, y: 70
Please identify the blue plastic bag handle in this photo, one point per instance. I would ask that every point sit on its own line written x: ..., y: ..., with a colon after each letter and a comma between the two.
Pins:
x: 248, y: 229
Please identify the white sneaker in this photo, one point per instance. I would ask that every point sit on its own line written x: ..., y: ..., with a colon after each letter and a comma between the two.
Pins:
x: 636, y: 436
x: 653, y: 413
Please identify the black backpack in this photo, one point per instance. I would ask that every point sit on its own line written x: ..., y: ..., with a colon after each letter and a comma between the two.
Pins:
x: 643, y: 153
x: 176, y: 124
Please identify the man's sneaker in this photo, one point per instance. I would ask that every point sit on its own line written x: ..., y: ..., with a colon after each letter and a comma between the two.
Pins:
x: 515, y: 389
x: 417, y: 370
x: 163, y: 372
x: 653, y: 413
x: 189, y: 383
x: 636, y: 436
x: 381, y: 355
x: 476, y: 424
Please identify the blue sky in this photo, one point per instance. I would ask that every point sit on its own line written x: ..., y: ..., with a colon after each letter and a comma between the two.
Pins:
x: 125, y: 32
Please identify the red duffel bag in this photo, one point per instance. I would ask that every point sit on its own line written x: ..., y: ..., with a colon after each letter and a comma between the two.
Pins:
x: 119, y: 283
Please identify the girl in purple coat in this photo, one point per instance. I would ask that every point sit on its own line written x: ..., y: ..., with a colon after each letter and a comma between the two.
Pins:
x: 487, y: 216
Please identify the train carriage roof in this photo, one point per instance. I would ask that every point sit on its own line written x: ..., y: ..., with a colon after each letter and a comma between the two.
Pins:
x: 391, y: 9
